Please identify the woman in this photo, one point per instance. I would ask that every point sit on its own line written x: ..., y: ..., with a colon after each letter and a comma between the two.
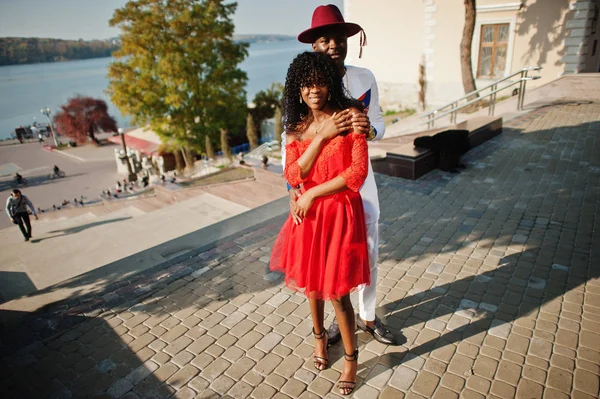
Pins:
x: 322, y: 247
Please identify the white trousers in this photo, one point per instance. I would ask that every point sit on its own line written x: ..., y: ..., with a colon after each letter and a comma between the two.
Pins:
x: 367, y: 296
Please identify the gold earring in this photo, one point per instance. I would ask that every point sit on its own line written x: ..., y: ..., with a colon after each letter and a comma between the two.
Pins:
x: 300, y: 98
x: 329, y: 97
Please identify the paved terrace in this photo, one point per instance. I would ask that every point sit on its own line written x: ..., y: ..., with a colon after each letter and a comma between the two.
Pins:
x: 489, y: 277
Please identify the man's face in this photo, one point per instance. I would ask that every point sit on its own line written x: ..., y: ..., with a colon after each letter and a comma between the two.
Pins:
x: 16, y: 195
x: 333, y: 42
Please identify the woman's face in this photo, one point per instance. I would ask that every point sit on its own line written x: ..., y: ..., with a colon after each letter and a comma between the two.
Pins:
x: 315, y: 97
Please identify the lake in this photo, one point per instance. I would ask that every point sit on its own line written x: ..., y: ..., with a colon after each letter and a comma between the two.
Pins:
x: 25, y: 89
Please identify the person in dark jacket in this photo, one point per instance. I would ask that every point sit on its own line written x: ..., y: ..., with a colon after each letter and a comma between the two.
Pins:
x: 16, y: 209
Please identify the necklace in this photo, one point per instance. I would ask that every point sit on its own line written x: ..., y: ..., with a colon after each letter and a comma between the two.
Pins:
x: 319, y: 128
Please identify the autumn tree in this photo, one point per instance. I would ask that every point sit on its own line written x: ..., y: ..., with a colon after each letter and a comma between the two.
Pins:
x: 466, y: 65
x: 178, y: 70
x: 82, y: 117
x: 251, y: 131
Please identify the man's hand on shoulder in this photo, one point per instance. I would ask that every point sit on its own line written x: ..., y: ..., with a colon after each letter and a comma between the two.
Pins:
x: 361, y: 123
x: 338, y: 123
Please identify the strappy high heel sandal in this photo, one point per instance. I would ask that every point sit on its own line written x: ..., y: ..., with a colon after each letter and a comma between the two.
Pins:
x: 348, y: 385
x: 318, y: 360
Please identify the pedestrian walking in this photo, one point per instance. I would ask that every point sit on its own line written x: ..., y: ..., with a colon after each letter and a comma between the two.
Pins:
x: 16, y: 209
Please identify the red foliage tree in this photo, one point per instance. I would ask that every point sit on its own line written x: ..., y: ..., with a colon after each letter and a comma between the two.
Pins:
x: 83, y: 117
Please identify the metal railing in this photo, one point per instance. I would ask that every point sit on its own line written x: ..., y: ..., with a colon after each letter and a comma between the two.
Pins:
x: 455, y: 107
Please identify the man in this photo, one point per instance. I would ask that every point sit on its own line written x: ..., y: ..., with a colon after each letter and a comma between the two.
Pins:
x: 328, y: 34
x: 16, y: 209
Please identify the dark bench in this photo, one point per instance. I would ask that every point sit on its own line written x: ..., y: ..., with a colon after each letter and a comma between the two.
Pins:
x: 403, y: 159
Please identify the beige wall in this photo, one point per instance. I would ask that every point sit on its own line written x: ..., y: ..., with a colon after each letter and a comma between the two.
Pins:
x: 394, y: 46
x: 540, y: 38
x: 398, y: 33
x: 446, y: 84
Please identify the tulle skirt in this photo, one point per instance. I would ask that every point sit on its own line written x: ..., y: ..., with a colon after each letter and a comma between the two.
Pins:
x: 326, y: 255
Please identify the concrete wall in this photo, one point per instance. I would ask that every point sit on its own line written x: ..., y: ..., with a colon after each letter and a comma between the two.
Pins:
x: 395, y: 35
x: 403, y: 33
x: 540, y: 37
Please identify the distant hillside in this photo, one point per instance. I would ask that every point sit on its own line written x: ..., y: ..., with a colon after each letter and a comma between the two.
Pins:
x: 31, y: 50
x: 262, y: 38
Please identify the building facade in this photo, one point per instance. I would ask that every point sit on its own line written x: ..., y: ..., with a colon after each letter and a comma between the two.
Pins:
x: 410, y: 40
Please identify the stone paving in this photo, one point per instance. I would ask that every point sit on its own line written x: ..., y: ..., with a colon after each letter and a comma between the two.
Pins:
x: 490, y: 279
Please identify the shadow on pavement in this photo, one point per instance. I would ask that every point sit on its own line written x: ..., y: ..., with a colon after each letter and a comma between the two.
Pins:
x: 100, y: 357
x: 550, y: 256
x: 430, y: 260
x: 77, y: 229
x: 85, y: 346
x: 33, y: 181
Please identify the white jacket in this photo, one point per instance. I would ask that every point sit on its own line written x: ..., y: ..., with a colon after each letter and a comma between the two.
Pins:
x: 361, y: 84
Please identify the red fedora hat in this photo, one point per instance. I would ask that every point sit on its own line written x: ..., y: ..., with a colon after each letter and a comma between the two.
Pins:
x: 325, y: 17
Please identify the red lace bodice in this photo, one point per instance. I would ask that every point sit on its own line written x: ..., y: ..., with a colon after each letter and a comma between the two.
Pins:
x: 345, y: 156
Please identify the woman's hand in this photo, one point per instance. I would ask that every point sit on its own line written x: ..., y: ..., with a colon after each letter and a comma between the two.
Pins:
x: 303, y: 204
x: 337, y: 123
x: 294, y: 195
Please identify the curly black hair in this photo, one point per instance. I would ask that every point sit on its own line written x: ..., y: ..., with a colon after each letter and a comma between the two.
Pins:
x: 306, y: 70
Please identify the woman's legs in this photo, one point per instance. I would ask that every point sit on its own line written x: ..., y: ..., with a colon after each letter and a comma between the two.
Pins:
x: 317, y: 311
x: 347, y: 323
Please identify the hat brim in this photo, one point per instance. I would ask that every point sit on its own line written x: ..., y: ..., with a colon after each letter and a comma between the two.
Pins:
x: 311, y: 35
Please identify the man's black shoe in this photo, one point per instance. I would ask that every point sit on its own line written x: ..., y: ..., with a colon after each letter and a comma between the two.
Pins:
x: 379, y: 332
x: 333, y: 333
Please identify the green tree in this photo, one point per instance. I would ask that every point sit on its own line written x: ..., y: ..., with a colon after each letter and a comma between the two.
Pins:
x: 251, y: 132
x: 178, y: 70
x: 265, y: 103
x: 210, y: 152
x: 225, y: 143
x: 278, y: 124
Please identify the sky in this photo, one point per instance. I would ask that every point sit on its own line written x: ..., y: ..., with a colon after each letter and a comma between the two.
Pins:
x: 88, y: 19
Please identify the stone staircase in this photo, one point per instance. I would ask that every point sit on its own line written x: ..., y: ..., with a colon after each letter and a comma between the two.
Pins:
x: 265, y: 187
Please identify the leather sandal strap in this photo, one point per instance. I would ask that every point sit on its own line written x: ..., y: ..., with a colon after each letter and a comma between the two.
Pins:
x: 319, y: 335
x: 352, y: 357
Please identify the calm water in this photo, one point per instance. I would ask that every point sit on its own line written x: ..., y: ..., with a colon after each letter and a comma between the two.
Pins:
x: 25, y: 89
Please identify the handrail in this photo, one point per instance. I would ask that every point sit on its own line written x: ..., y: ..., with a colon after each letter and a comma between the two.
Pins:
x: 433, y: 115
x: 487, y: 95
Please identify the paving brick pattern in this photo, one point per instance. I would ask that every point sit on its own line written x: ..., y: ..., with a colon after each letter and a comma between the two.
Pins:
x: 490, y: 279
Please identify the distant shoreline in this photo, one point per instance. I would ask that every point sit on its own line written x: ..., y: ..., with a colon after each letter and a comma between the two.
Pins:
x: 33, y: 50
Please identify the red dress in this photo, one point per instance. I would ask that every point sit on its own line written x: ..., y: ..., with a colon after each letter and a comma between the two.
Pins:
x: 326, y: 254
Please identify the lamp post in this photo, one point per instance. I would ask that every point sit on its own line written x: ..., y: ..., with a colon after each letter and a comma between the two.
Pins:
x: 46, y: 111
x: 131, y: 176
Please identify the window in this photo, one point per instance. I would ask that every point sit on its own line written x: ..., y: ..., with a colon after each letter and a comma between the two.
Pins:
x: 493, y: 50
